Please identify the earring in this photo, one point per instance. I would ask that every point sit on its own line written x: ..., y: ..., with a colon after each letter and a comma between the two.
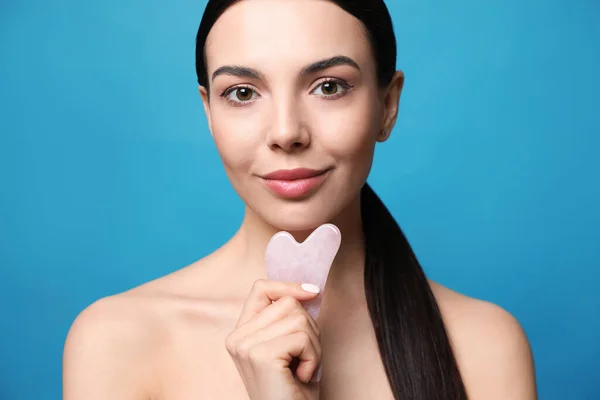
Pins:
x: 383, y: 134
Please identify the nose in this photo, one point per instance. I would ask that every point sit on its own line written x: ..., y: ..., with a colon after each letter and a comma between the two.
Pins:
x: 288, y: 132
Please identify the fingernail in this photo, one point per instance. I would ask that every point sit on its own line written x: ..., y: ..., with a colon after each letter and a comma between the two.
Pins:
x: 309, y: 287
x: 319, y: 373
x: 316, y: 378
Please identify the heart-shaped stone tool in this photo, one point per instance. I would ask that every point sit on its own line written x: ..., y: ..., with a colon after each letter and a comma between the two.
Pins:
x: 307, y: 262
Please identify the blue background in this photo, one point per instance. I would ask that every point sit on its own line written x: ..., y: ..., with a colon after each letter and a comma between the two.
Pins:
x: 109, y: 177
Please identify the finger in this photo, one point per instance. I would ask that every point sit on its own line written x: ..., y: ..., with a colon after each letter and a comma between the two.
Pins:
x: 280, y: 309
x: 265, y: 292
x: 285, y: 349
x: 287, y: 326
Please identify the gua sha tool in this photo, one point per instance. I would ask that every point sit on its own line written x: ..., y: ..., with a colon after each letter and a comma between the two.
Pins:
x: 307, y: 262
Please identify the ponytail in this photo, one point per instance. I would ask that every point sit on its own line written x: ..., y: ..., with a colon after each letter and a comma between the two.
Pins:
x: 413, y: 343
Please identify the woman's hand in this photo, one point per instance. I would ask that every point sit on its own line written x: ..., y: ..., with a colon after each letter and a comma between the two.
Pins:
x: 275, y: 337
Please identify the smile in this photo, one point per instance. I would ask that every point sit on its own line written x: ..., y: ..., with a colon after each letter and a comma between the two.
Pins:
x: 295, y: 183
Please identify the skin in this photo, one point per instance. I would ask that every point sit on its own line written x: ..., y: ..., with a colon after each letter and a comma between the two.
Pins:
x: 181, y: 336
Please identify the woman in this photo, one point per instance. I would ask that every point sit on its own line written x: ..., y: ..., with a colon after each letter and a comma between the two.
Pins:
x: 307, y: 84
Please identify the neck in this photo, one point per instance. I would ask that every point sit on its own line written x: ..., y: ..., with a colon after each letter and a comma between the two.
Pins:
x: 346, y: 273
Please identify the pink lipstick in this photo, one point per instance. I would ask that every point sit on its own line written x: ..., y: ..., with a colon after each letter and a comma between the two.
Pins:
x: 295, y: 183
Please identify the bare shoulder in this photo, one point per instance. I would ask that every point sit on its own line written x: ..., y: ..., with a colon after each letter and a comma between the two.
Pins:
x: 117, y: 346
x: 491, y: 347
x: 110, y: 349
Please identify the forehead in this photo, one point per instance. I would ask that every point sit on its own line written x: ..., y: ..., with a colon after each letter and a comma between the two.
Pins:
x: 285, y: 32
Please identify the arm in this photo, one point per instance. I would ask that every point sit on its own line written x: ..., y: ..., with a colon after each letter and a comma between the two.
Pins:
x: 106, y: 354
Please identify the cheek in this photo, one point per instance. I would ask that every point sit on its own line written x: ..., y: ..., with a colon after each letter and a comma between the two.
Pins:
x: 349, y: 134
x: 236, y: 138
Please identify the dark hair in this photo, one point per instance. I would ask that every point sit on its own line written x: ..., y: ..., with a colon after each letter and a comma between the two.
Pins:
x: 412, y: 339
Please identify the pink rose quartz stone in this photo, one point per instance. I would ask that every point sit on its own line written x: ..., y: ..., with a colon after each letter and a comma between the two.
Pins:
x: 307, y: 262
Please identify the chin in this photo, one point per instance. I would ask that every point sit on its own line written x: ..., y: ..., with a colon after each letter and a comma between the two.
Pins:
x: 297, y: 221
x: 296, y: 216
x: 302, y: 215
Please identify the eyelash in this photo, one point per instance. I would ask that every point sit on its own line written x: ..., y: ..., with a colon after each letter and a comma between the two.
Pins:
x: 345, y: 88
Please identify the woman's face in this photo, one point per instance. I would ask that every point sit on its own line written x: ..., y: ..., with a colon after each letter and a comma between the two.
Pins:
x: 293, y: 85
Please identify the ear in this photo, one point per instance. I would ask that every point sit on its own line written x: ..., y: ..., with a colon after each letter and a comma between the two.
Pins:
x: 391, y: 105
x: 206, y: 103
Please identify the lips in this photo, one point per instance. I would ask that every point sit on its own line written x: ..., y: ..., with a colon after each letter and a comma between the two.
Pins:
x: 294, y: 174
x: 295, y: 183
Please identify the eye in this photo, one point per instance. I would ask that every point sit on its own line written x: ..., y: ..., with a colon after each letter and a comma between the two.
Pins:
x: 331, y: 88
x: 239, y: 95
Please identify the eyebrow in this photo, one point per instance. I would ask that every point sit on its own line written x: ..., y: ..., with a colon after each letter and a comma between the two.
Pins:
x: 321, y: 65
x: 329, y: 63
